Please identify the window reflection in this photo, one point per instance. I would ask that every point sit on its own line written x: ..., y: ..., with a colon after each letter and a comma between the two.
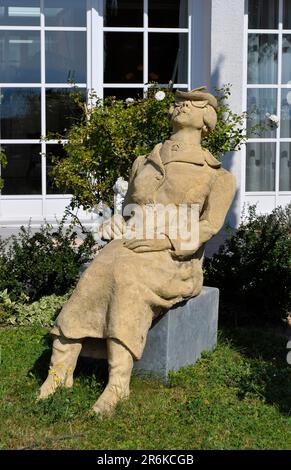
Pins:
x: 62, y: 110
x: 263, y: 58
x: 20, y: 113
x: 261, y: 102
x: 22, y: 175
x: 53, y: 151
x: 260, y: 166
x: 285, y: 167
x: 20, y: 12
x: 20, y: 56
x: 263, y: 14
x: 65, y: 12
x: 286, y: 58
x: 123, y: 13
x: 285, y: 124
x: 168, y: 13
x: 65, y: 56
x: 168, y: 57
x: 287, y: 14
x: 123, y: 55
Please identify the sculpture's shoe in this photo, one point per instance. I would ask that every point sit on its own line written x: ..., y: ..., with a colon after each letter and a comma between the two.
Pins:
x: 63, y: 362
x: 107, y: 402
x: 120, y: 364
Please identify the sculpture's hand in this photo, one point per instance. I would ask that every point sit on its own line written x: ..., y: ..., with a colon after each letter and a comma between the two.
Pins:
x: 145, y: 245
x: 113, y: 228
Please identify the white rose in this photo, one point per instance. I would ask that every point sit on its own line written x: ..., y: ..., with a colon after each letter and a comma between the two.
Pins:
x: 272, y: 120
x: 120, y: 186
x: 160, y: 95
x: 129, y: 100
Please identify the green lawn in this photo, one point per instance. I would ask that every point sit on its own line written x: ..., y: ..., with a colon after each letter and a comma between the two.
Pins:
x: 238, y: 397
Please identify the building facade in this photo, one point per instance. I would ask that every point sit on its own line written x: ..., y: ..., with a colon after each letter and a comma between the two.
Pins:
x: 117, y: 47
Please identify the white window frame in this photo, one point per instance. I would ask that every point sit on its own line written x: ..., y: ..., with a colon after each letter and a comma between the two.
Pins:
x: 266, y: 200
x: 95, y: 40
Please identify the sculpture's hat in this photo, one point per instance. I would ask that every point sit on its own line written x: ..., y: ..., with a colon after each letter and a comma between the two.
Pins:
x: 198, y: 94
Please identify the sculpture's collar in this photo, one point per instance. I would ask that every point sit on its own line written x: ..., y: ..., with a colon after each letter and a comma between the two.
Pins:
x: 173, y: 151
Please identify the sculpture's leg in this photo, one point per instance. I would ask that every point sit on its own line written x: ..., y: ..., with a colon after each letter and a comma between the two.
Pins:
x: 63, y: 363
x: 120, y: 362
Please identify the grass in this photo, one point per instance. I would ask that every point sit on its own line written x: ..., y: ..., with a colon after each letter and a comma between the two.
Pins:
x: 238, y: 397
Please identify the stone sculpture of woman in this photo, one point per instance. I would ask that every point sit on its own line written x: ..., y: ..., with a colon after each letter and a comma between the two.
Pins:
x: 134, y: 279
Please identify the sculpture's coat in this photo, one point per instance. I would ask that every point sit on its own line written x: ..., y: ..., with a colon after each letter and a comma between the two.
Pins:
x: 121, y: 290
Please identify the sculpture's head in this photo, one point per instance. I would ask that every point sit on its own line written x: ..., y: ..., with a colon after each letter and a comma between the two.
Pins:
x: 194, y: 109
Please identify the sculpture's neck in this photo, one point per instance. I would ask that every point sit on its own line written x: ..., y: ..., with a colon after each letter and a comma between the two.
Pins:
x: 187, y: 136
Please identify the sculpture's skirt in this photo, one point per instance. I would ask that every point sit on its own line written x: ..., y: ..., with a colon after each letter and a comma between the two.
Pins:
x: 120, y: 292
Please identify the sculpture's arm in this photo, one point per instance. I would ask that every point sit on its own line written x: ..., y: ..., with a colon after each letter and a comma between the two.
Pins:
x: 213, y: 215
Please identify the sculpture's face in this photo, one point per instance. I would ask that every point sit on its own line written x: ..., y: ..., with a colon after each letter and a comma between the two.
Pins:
x: 185, y: 114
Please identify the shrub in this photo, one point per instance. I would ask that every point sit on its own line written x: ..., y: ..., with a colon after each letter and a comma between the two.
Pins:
x: 43, y: 263
x: 41, y: 312
x: 253, y: 268
x: 110, y: 135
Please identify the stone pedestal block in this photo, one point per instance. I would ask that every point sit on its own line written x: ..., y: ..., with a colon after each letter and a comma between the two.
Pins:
x: 180, y: 336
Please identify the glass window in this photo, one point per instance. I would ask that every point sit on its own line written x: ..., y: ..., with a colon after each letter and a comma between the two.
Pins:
x: 285, y: 167
x: 22, y: 175
x: 260, y: 103
x: 62, y: 110
x: 263, y: 58
x: 286, y: 58
x: 123, y: 13
x: 20, y: 13
x: 65, y: 12
x: 65, y: 56
x: 168, y: 57
x: 168, y: 13
x: 53, y: 151
x: 20, y: 56
x: 263, y: 14
x: 287, y: 14
x: 260, y: 166
x: 285, y: 113
x: 123, y: 56
x: 123, y: 93
x: 20, y: 113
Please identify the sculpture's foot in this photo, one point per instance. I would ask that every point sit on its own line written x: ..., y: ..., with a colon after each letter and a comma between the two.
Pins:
x: 107, y: 402
x: 63, y: 362
x: 51, y: 384
x: 120, y: 363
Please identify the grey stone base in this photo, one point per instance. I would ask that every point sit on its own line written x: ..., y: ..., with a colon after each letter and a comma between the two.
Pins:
x: 175, y: 339
x: 180, y: 336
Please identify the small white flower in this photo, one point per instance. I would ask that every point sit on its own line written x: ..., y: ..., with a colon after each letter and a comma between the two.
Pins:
x: 272, y: 120
x: 120, y: 186
x: 129, y: 100
x: 160, y: 95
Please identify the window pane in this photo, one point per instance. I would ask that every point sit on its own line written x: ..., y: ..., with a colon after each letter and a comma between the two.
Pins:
x: 286, y: 59
x: 168, y: 57
x: 20, y: 56
x: 123, y: 55
x: 20, y: 12
x: 20, y: 113
x: 65, y: 56
x: 65, y: 12
x: 287, y: 14
x: 123, y: 93
x: 261, y: 102
x: 263, y: 58
x: 62, y: 111
x: 168, y: 13
x: 285, y: 167
x: 285, y: 113
x: 260, y: 166
x: 22, y: 175
x: 53, y: 150
x: 123, y: 13
x: 263, y: 14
